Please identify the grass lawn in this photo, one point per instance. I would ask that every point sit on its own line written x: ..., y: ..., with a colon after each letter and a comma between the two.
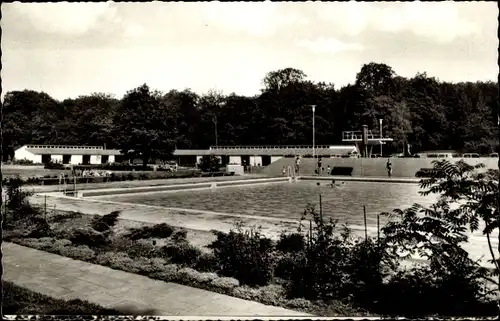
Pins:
x: 19, y: 300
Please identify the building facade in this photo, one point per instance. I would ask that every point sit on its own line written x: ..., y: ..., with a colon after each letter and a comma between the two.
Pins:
x: 70, y: 155
x: 259, y: 155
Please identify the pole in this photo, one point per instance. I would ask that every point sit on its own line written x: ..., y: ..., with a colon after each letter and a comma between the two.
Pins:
x: 378, y: 228
x: 45, y: 206
x: 314, y: 129
x: 216, y: 139
x: 381, y: 136
x: 320, y: 209
x: 366, y: 229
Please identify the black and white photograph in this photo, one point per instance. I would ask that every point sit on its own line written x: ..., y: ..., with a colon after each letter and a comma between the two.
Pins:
x: 250, y: 160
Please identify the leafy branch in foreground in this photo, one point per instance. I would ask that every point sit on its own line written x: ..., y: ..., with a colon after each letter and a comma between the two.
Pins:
x: 467, y: 202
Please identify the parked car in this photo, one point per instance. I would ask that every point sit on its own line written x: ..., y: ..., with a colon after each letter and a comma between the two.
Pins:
x: 170, y: 166
x: 471, y: 155
x: 494, y: 155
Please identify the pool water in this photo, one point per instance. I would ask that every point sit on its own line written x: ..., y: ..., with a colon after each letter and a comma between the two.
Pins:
x: 288, y: 200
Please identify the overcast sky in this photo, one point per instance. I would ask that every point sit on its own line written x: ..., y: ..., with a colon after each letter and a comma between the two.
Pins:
x: 74, y: 49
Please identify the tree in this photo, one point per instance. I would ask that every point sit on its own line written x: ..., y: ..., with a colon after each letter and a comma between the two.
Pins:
x: 209, y: 163
x: 145, y: 125
x: 376, y: 78
x: 467, y: 201
x: 277, y: 80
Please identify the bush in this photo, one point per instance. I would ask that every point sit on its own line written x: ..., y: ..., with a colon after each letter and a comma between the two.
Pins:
x: 287, y: 264
x: 293, y: 242
x: 140, y: 248
x: 183, y: 253
x: 168, y: 273
x: 65, y: 216
x: 43, y: 244
x: 246, y: 256
x: 179, y: 235
x: 90, y: 237
x: 224, y: 283
x: 80, y: 252
x: 17, y: 197
x: 104, y: 223
x: 160, y: 231
x: 207, y: 262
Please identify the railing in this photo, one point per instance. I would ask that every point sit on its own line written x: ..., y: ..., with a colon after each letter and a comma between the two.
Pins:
x: 64, y: 147
x: 269, y: 147
x: 358, y: 135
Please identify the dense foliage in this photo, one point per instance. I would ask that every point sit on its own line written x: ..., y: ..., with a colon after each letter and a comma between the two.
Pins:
x: 421, y: 111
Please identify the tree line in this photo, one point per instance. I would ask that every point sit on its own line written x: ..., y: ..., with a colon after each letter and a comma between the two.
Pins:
x: 422, y: 111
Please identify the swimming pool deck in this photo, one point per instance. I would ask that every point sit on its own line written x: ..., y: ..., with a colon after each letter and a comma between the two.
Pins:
x: 399, y: 180
x: 64, y: 278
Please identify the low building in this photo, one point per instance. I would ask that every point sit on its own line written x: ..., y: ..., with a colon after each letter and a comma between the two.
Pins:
x: 259, y: 155
x: 71, y: 155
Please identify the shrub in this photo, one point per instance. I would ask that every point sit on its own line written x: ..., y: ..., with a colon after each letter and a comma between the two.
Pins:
x: 190, y: 276
x: 80, y: 252
x: 17, y: 198
x: 293, y: 242
x: 38, y: 226
x: 245, y: 255
x: 44, y: 243
x: 179, y: 235
x: 162, y: 230
x: 65, y: 216
x: 140, y: 248
x: 183, y: 253
x: 224, y: 283
x: 207, y: 262
x: 104, y: 223
x: 88, y: 236
x: 320, y: 272
x: 287, y: 264
x: 168, y: 273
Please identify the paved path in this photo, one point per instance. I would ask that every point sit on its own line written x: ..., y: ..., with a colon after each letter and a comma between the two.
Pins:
x: 65, y: 278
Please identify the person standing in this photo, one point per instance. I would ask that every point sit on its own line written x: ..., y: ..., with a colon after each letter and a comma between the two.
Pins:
x: 319, y: 165
x: 297, y: 165
x: 389, y: 168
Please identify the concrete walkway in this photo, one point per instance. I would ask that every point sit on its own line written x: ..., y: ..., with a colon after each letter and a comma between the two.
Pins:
x: 140, y: 183
x: 65, y: 278
x: 399, y: 180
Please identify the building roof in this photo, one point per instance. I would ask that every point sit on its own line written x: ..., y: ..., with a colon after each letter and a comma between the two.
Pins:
x: 267, y: 151
x: 70, y: 150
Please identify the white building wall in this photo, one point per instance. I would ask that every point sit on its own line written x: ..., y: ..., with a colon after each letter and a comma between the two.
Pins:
x: 76, y: 159
x: 275, y: 158
x: 56, y: 158
x: 21, y: 154
x: 255, y: 160
x: 111, y: 159
x: 236, y: 160
x: 95, y: 159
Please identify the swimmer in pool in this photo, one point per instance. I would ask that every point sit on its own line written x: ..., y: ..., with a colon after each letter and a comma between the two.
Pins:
x: 333, y: 184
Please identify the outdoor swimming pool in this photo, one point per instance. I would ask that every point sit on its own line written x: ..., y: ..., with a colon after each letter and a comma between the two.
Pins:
x: 288, y: 200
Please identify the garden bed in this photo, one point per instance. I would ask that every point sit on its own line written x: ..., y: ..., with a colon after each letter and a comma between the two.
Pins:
x: 246, y: 265
x: 183, y: 257
x: 21, y: 301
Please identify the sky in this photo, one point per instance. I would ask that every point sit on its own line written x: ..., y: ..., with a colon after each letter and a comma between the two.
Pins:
x: 73, y: 49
